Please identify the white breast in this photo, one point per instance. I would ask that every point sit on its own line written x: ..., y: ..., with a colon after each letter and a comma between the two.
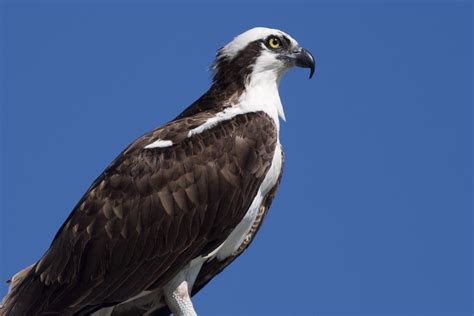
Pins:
x: 235, y: 239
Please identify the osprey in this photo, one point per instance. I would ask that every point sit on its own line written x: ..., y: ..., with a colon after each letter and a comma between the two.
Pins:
x: 177, y: 205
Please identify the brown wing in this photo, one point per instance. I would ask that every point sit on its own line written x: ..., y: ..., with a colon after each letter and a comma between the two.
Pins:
x: 147, y: 304
x: 148, y: 215
x: 212, y: 268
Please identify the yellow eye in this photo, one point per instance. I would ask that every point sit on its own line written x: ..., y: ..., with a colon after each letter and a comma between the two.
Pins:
x: 274, y: 42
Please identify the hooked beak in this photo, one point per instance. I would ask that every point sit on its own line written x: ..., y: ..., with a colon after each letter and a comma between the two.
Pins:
x: 303, y: 58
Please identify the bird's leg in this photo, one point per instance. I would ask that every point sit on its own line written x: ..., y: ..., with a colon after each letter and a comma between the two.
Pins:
x: 179, y: 301
x: 177, y: 292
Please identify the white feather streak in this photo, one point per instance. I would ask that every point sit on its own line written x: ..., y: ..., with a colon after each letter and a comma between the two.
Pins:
x: 160, y: 143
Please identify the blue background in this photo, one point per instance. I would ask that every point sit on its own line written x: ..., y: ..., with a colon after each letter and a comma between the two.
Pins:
x: 374, y: 213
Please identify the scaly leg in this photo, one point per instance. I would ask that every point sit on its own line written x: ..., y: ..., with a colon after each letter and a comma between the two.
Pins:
x: 179, y: 300
x: 178, y: 291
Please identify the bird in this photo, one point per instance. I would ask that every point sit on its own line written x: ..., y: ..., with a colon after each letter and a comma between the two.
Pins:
x: 179, y: 204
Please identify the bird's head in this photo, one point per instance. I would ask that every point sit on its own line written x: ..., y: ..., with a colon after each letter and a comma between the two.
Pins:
x: 260, y: 52
x: 248, y: 70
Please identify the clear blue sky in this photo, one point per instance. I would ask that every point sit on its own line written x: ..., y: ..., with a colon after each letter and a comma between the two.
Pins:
x: 374, y: 213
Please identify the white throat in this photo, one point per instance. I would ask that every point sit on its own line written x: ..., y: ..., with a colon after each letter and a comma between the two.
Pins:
x: 261, y: 94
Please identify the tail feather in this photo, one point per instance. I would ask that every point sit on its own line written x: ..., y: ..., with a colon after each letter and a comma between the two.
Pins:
x: 27, y: 295
x: 15, y: 281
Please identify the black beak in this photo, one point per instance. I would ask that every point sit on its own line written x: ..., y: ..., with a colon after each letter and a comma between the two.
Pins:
x: 303, y: 58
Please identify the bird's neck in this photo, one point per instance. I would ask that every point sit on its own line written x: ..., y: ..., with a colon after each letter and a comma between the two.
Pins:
x: 256, y: 92
x: 261, y: 94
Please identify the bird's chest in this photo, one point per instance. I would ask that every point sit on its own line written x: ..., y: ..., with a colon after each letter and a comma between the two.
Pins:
x: 240, y: 232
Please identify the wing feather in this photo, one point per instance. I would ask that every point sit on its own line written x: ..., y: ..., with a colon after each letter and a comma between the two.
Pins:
x: 150, y: 213
x: 149, y: 304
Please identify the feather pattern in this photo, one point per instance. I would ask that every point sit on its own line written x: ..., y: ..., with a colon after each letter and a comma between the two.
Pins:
x: 152, y: 303
x: 150, y: 213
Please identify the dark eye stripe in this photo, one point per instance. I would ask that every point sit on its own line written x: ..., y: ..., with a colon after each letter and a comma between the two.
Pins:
x: 286, y: 41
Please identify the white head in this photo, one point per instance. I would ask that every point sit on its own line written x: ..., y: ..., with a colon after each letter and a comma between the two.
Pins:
x: 252, y: 65
x: 255, y: 34
x: 261, y: 50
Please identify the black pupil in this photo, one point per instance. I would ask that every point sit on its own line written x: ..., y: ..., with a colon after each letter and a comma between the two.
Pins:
x: 274, y: 41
